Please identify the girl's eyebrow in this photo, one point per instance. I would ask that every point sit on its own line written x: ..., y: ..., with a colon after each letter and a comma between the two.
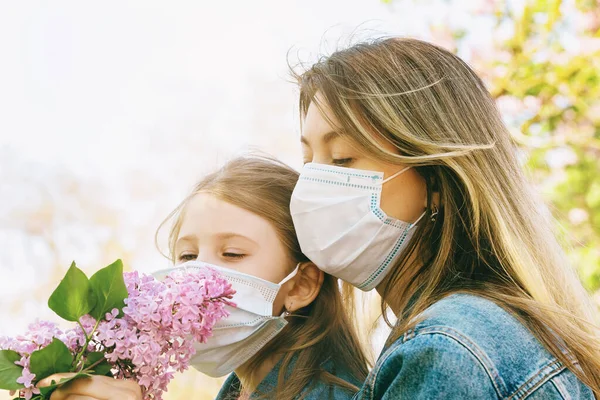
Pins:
x: 222, y: 236
x: 231, y: 235
x: 187, y: 238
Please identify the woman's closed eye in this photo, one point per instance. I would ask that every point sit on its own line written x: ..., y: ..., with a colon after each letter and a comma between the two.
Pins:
x: 342, y: 162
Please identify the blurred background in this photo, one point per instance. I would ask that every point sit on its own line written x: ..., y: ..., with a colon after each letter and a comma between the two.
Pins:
x: 111, y: 111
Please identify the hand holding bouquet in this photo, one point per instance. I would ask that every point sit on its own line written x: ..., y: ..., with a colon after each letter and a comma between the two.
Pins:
x: 129, y: 326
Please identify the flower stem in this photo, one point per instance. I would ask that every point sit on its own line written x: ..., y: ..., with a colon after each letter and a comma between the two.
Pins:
x: 87, y: 341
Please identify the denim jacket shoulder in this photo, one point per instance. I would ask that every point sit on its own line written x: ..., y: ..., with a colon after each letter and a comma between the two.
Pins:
x: 318, y: 390
x: 468, y: 347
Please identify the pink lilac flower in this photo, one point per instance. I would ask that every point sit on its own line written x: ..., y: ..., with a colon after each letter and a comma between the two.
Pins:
x: 29, y: 392
x: 39, y: 335
x: 152, y: 339
x: 161, y: 321
x: 27, y: 378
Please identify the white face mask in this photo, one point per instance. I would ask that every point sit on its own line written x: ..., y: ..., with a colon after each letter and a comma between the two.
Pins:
x: 249, y: 326
x: 341, y: 227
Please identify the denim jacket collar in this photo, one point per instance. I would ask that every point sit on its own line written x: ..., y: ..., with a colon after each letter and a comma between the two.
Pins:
x: 231, y: 387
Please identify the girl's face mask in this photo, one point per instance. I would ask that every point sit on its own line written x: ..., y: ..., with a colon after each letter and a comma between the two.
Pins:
x: 249, y: 326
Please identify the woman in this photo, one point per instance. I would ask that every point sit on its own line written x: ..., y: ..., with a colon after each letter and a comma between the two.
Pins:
x: 411, y: 186
x: 289, y: 336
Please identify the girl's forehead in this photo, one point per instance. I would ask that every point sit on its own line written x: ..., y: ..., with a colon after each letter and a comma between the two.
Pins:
x: 207, y: 215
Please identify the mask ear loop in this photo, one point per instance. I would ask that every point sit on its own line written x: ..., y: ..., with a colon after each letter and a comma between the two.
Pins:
x: 292, y: 274
x: 418, y: 219
x: 389, y: 178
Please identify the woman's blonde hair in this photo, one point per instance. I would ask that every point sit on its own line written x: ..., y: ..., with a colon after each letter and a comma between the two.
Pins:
x: 491, y: 237
x: 318, y: 333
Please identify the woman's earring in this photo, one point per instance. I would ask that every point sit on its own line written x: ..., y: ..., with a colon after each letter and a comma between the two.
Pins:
x: 434, y: 212
x: 287, y: 313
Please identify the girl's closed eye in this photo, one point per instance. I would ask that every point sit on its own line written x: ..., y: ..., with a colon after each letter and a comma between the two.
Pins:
x: 233, y: 254
x: 186, y: 257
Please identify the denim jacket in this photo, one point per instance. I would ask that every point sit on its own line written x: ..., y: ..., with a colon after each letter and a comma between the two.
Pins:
x: 318, y: 391
x: 467, y: 347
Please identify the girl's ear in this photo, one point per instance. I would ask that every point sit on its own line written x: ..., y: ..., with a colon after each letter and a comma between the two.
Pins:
x: 306, y: 286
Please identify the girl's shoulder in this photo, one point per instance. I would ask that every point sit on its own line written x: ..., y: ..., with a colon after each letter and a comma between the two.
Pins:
x: 318, y: 390
x: 323, y: 389
x: 466, y: 347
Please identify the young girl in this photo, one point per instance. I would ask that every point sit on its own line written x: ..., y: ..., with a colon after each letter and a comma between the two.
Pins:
x: 412, y: 187
x: 237, y: 220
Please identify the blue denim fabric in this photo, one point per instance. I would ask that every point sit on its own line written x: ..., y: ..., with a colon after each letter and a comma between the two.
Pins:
x: 467, y: 347
x: 318, y: 391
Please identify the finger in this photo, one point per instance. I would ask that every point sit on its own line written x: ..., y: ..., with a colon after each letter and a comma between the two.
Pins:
x: 88, y: 388
x: 99, y: 388
x: 56, y: 378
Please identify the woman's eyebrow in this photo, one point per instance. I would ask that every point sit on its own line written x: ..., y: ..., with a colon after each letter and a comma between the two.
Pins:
x: 328, y: 137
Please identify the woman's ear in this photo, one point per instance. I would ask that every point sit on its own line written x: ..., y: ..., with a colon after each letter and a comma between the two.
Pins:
x: 305, y: 287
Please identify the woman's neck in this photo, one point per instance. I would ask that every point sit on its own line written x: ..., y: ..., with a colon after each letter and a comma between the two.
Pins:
x: 250, y: 379
x: 393, y: 295
x: 390, y: 300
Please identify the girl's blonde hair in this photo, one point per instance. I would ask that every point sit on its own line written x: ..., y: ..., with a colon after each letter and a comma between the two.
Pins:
x: 318, y: 333
x: 491, y: 237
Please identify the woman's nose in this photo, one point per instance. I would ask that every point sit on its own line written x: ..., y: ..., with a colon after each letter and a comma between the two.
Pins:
x: 321, y: 158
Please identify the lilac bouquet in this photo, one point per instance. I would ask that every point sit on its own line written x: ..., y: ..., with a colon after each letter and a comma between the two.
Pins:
x: 129, y: 325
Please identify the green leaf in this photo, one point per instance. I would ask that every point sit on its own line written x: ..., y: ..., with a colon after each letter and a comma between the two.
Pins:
x: 9, y: 371
x: 50, y: 360
x: 102, y: 368
x: 109, y: 288
x: 73, y: 298
x: 46, y: 391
